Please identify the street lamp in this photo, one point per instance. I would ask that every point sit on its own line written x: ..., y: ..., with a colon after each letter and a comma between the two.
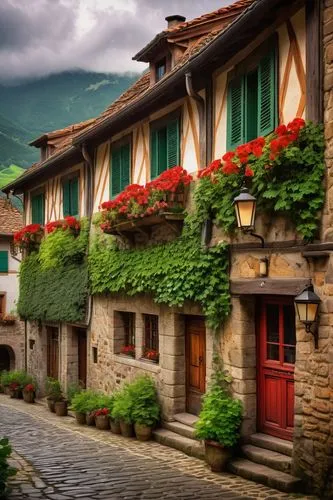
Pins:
x: 307, y: 306
x: 245, y: 208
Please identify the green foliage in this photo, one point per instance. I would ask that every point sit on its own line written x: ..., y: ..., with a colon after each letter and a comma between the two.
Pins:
x: 172, y: 272
x: 19, y: 377
x: 73, y: 390
x: 9, y: 174
x: 5, y: 470
x: 146, y: 410
x: 53, y: 389
x: 54, y: 282
x: 88, y: 401
x: 123, y: 405
x: 221, y: 415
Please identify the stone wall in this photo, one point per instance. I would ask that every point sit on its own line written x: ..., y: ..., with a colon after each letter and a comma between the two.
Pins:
x: 12, y: 337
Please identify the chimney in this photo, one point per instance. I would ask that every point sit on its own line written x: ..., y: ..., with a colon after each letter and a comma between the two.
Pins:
x: 174, y: 20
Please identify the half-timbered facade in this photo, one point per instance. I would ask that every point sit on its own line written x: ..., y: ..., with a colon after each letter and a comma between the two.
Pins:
x: 213, y: 83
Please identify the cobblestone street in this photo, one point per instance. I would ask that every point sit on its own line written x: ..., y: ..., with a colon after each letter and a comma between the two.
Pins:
x: 60, y: 460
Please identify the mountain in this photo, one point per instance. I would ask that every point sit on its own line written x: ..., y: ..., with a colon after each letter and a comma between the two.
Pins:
x: 9, y: 174
x: 29, y: 109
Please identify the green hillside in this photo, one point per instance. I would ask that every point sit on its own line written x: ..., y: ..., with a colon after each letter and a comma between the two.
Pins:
x: 9, y: 174
x: 33, y: 108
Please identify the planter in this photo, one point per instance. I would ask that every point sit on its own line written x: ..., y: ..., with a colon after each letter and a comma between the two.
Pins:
x: 115, y: 426
x: 90, y: 418
x: 61, y: 408
x: 51, y: 404
x: 80, y: 417
x: 127, y: 430
x: 29, y: 396
x: 15, y: 393
x: 7, y: 390
x: 143, y: 432
x: 102, y: 422
x: 216, y: 456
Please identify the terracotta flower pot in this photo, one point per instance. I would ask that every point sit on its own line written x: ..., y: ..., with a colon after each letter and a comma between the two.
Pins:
x: 216, y: 456
x: 15, y: 393
x: 90, y: 418
x: 127, y: 430
x: 142, y: 432
x: 61, y: 408
x: 80, y: 417
x: 51, y: 404
x: 115, y: 426
x: 29, y: 396
x: 7, y: 390
x: 102, y: 422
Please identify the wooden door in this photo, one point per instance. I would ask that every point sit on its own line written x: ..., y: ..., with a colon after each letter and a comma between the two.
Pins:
x: 82, y: 357
x: 195, y: 334
x: 276, y: 360
x: 52, y: 352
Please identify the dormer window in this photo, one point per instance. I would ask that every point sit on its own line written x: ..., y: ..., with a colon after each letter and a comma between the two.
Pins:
x: 160, y: 69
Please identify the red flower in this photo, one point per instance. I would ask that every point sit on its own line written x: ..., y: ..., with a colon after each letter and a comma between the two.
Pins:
x: 102, y: 411
x: 29, y: 388
x: 281, y: 130
x: 228, y: 156
x: 248, y: 172
x: 230, y: 168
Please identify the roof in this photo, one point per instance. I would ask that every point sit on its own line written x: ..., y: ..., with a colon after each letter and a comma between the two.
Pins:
x: 10, y: 218
x: 56, y: 136
x: 142, y: 95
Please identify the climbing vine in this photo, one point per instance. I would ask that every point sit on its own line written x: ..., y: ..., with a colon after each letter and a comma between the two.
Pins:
x: 54, y: 281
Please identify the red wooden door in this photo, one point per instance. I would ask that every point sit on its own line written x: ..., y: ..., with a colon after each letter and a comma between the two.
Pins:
x: 82, y: 357
x: 52, y: 352
x: 277, y: 349
x: 195, y: 362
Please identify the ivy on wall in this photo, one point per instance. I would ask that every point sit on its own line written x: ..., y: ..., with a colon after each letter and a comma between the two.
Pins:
x: 173, y: 272
x: 54, y: 282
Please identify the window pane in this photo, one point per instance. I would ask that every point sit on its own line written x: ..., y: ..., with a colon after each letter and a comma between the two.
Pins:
x: 272, y: 311
x: 289, y: 355
x: 273, y: 352
x: 151, y: 336
x: 289, y: 325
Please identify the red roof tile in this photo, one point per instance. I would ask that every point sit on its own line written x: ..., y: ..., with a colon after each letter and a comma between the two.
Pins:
x: 10, y: 218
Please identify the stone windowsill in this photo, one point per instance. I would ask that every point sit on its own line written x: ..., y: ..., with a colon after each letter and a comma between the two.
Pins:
x: 144, y: 364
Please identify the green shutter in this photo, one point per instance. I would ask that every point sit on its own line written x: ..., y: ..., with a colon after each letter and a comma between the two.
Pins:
x: 66, y: 204
x: 162, y: 148
x: 125, y: 165
x: 267, y: 94
x: 235, y: 113
x: 115, y: 172
x: 3, y: 261
x: 154, y: 154
x: 37, y: 209
x: 173, y: 146
x: 74, y: 196
x: 251, y: 108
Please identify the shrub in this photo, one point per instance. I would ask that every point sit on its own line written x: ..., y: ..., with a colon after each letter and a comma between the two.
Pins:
x: 53, y: 389
x: 220, y: 417
x: 88, y: 401
x: 19, y: 378
x: 5, y: 470
x: 123, y: 405
x: 72, y: 390
x: 146, y: 410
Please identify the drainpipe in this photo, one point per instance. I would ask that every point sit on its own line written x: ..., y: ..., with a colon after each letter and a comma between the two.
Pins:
x: 90, y: 208
x: 202, y: 117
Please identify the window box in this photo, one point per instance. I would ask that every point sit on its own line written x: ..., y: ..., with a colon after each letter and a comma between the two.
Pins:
x: 175, y: 220
x: 7, y: 319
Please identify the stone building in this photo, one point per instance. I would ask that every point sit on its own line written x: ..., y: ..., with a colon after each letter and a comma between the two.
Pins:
x: 12, y: 340
x: 201, y: 73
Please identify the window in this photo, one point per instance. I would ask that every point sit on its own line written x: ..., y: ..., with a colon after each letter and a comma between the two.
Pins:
x: 71, y: 197
x: 150, y: 338
x: 160, y: 69
x: 2, y: 304
x: 3, y: 261
x: 165, y: 146
x: 120, y: 168
x: 124, y: 333
x: 95, y: 354
x: 252, y: 103
x: 37, y: 209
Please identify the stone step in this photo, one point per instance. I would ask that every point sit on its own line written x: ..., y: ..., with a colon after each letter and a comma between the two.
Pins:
x: 186, y: 419
x: 265, y: 475
x: 189, y: 446
x: 272, y: 443
x: 179, y: 428
x: 272, y: 459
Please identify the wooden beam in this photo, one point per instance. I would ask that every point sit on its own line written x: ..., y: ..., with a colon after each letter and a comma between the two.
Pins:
x: 314, y: 62
x: 268, y: 286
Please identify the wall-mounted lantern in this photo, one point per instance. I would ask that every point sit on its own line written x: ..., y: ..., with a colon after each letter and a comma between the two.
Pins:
x: 245, y: 208
x: 307, y: 306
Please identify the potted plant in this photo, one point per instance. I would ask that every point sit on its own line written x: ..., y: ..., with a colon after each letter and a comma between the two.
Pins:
x: 29, y: 393
x: 122, y: 411
x: 146, y: 410
x: 102, y: 419
x: 128, y: 350
x: 219, y: 423
x: 17, y: 380
x: 53, y: 391
x: 152, y: 355
x: 83, y: 403
x: 5, y: 381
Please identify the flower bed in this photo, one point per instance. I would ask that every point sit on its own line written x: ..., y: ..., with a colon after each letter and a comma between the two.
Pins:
x: 166, y: 193
x: 29, y: 237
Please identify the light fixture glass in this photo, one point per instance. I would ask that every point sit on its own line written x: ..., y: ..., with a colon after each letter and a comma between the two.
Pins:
x: 307, y: 306
x: 245, y: 207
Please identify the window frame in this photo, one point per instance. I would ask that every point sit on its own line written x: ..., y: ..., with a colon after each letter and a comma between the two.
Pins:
x: 114, y: 146
x: 152, y: 341
x: 38, y: 192
x: 159, y: 124
x: 3, y: 304
x: 159, y: 64
x: 7, y: 267
x: 68, y: 178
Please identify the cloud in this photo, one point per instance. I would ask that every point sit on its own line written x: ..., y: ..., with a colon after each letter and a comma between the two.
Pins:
x: 40, y: 37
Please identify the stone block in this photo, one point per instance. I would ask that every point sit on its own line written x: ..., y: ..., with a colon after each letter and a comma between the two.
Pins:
x: 175, y: 363
x: 242, y: 358
x: 244, y: 386
x: 173, y: 345
x: 171, y: 377
x: 173, y: 391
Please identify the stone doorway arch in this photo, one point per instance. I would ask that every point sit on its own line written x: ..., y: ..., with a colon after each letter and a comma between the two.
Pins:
x: 7, y: 358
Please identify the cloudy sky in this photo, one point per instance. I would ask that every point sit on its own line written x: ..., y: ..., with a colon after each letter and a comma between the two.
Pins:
x: 39, y: 37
